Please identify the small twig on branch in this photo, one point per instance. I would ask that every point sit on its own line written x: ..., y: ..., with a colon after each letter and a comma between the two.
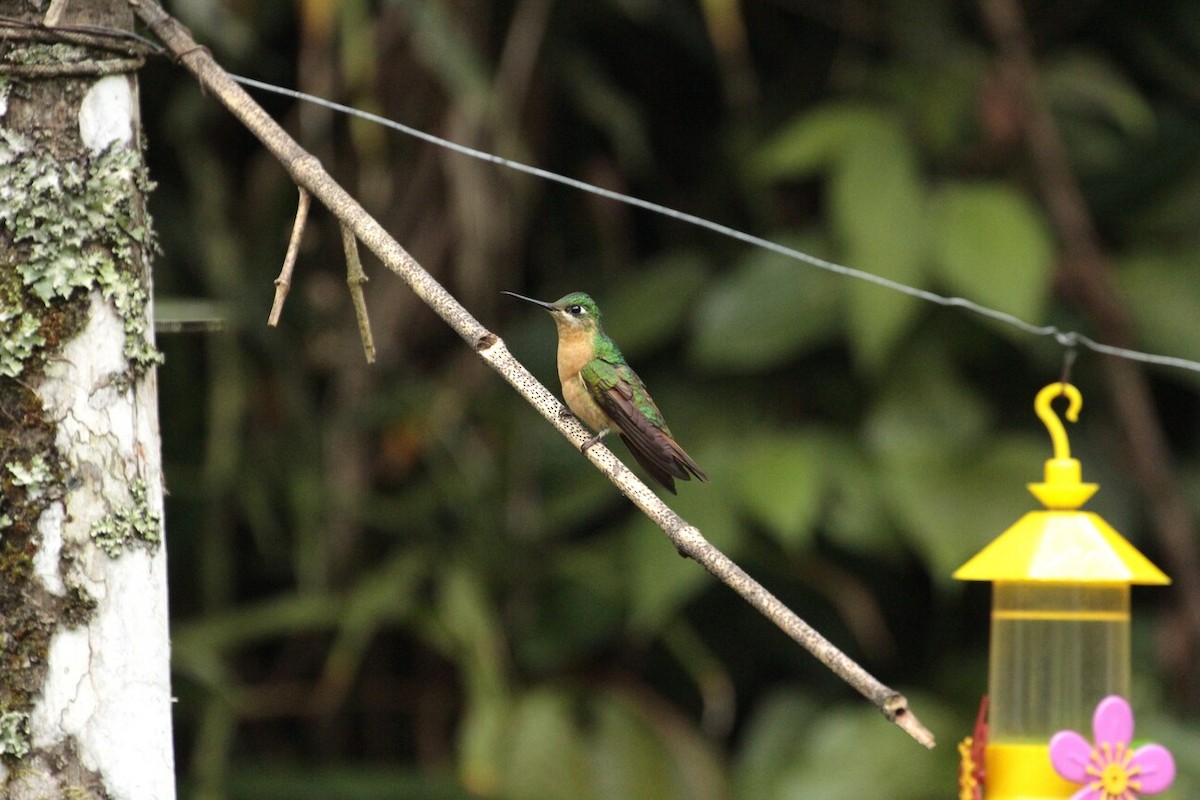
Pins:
x: 283, y: 283
x: 308, y: 173
x: 54, y: 13
x: 355, y: 278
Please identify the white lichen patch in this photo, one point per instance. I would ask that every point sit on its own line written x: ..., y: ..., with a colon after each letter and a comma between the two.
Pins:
x: 46, y: 559
x: 106, y: 114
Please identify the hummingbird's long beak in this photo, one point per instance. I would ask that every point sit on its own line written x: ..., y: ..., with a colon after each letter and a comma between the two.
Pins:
x: 547, y: 306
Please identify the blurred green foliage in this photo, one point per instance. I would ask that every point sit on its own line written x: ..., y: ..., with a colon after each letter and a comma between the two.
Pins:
x: 397, y: 581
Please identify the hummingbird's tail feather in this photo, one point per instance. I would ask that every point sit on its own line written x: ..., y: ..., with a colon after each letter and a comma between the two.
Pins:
x: 651, y: 465
x: 662, y: 457
x: 688, y: 464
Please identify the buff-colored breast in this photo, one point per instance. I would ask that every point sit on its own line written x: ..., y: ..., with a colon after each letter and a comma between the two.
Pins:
x: 574, y: 352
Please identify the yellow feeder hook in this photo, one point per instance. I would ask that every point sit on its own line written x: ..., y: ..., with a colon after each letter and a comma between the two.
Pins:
x: 1045, y: 412
x: 1063, y: 488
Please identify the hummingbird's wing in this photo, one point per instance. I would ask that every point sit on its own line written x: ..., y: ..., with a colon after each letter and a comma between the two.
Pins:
x: 618, y: 390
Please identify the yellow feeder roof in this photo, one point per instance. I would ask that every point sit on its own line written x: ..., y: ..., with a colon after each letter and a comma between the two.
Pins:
x: 1064, y: 546
x: 1061, y: 544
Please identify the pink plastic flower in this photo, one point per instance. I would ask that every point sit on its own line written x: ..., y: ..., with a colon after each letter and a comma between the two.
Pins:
x: 1109, y: 770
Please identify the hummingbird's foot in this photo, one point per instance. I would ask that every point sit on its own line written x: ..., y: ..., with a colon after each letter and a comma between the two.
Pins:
x: 584, y: 447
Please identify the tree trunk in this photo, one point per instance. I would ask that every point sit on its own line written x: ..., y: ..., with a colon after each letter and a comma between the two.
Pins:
x: 84, y: 652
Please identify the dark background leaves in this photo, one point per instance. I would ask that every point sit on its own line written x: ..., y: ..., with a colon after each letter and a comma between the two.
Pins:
x: 396, y: 581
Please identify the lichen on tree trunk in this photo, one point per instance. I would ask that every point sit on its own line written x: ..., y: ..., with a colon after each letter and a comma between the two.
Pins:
x: 84, y: 649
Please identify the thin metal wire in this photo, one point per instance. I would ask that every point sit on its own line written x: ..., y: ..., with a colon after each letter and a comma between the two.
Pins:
x: 1069, y: 353
x: 1067, y: 339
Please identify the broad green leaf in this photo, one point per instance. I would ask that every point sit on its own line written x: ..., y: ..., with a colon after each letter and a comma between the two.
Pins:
x: 877, y: 203
x: 652, y: 304
x: 467, y: 619
x: 483, y: 735
x: 276, y: 779
x: 991, y: 245
x: 1163, y: 295
x: 546, y: 755
x: 1169, y: 213
x: 769, y: 310
x: 849, y: 760
x: 950, y: 485
x: 1088, y: 87
x: 637, y: 752
x: 952, y: 503
x: 940, y: 96
x: 441, y: 42
x: 627, y: 760
x: 779, y: 484
x: 598, y: 744
x: 856, y: 515
x: 925, y: 403
x: 876, y: 207
x: 770, y: 744
x: 877, y: 319
x: 575, y: 609
x: 838, y: 753
x: 811, y: 141
x: 661, y: 581
x: 1099, y: 111
x: 609, y: 107
x: 1158, y: 721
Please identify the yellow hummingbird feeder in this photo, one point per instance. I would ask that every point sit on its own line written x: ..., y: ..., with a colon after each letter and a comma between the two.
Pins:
x: 1060, y: 623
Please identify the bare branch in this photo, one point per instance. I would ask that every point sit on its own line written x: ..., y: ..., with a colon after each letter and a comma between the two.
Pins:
x: 308, y: 173
x: 283, y: 283
x: 355, y: 278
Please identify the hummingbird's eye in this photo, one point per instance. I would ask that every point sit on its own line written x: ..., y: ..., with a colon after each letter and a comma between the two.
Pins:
x: 575, y: 310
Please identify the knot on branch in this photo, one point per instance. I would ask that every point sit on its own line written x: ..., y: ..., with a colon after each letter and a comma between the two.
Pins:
x: 303, y: 163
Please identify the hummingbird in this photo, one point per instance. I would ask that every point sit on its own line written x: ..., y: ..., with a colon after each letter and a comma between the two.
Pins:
x: 606, y: 394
